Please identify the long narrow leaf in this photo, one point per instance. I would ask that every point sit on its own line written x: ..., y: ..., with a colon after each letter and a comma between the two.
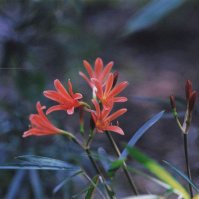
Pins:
x: 183, y: 176
x: 145, y: 197
x: 79, y: 194
x: 140, y: 132
x: 44, y: 161
x: 15, y: 185
x: 34, y: 166
x: 92, y: 188
x: 150, y: 14
x: 158, y: 170
x: 90, y: 180
x: 36, y: 184
x: 114, y: 167
x: 105, y: 159
x: 59, y: 186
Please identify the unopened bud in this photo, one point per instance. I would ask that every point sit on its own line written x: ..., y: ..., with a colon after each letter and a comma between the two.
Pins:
x: 81, y: 113
x: 92, y: 123
x: 115, y: 78
x: 188, y: 90
x: 172, y: 101
x: 192, y: 101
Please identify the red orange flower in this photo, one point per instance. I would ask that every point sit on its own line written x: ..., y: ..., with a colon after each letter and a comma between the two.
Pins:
x: 102, y: 122
x: 108, y: 96
x: 40, y: 125
x: 98, y: 73
x: 66, y: 101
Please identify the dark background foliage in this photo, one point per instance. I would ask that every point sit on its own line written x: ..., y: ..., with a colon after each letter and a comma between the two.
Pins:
x: 44, y: 40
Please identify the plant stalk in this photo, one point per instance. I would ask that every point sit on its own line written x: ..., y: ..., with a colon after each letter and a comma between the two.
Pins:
x: 187, y: 163
x: 132, y: 184
x: 99, y: 172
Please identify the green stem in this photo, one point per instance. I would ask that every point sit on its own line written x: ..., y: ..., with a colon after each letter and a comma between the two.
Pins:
x: 132, y: 184
x: 94, y: 185
x: 74, y: 139
x: 178, y: 122
x: 85, y: 104
x: 99, y: 172
x: 187, y: 163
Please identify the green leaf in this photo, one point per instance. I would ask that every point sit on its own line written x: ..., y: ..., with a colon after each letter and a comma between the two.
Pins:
x: 79, y: 194
x: 150, y: 14
x: 35, y: 166
x: 158, y: 170
x: 145, y: 197
x: 114, y: 167
x: 183, y: 176
x: 92, y: 188
x: 59, y: 186
x: 36, y: 184
x: 49, y: 162
x: 140, y: 132
x: 105, y: 160
x: 15, y: 185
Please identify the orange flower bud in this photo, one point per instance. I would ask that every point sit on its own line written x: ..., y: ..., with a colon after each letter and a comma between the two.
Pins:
x: 92, y: 123
x: 172, y: 101
x: 115, y: 78
x: 188, y: 90
x: 192, y: 101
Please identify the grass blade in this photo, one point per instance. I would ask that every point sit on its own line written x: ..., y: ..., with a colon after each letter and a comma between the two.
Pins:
x: 145, y: 197
x: 183, y: 176
x: 140, y: 132
x: 150, y: 14
x: 44, y: 161
x: 105, y: 160
x: 15, y: 185
x: 92, y: 188
x: 34, y: 166
x: 158, y: 170
x: 114, y: 167
x: 59, y: 186
x: 36, y: 184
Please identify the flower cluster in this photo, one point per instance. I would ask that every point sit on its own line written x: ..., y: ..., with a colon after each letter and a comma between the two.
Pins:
x: 103, y: 84
x: 191, y: 100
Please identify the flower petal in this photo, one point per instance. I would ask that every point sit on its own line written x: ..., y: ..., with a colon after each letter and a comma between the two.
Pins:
x: 93, y: 116
x: 86, y: 78
x: 98, y: 86
x: 40, y: 111
x: 78, y: 96
x: 117, y: 89
x: 88, y: 68
x: 53, y: 95
x: 116, y: 114
x: 70, y: 111
x: 109, y: 84
x: 60, y: 88
x: 99, y: 130
x: 70, y: 89
x: 97, y: 108
x: 55, y: 108
x: 120, y: 99
x: 106, y: 71
x: 98, y: 68
x: 116, y: 129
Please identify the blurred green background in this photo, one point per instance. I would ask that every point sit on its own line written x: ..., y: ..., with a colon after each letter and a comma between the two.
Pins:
x: 154, y: 45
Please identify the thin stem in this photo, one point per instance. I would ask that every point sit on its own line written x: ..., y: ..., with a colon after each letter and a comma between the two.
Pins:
x: 132, y: 184
x: 187, y: 163
x: 94, y: 185
x: 178, y: 122
x: 98, y: 171
x: 74, y: 139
